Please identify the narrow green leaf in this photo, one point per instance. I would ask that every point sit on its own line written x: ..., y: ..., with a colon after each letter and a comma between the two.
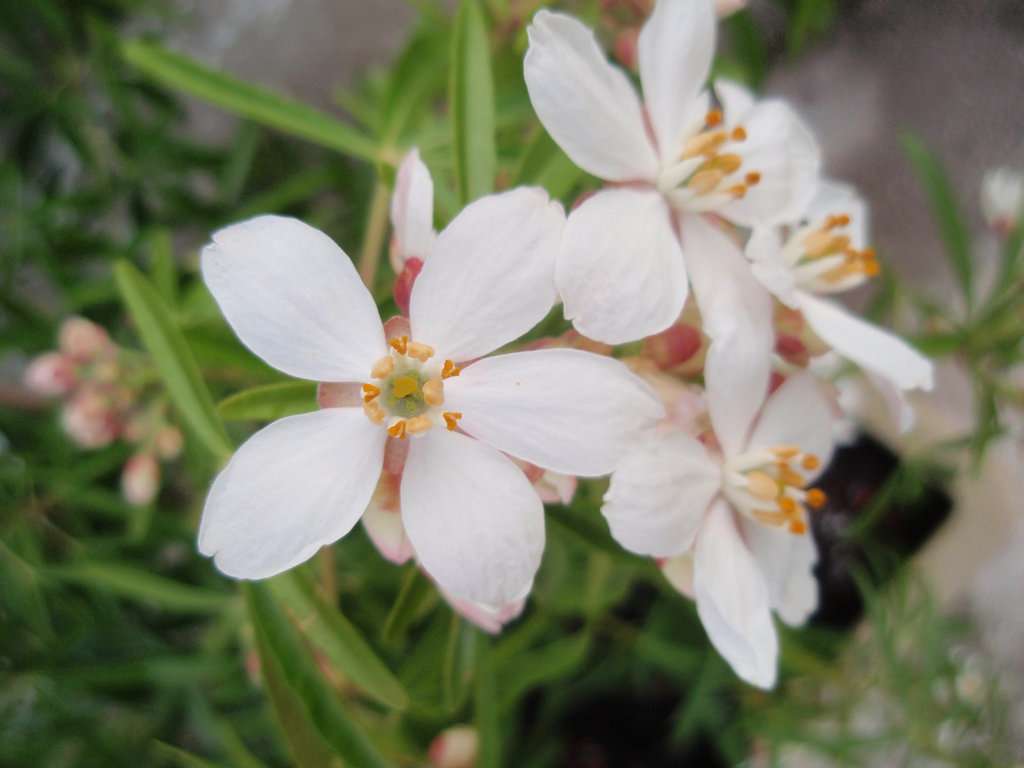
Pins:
x: 945, y: 211
x: 485, y: 699
x: 540, y: 666
x: 173, y: 359
x: 343, y: 645
x: 163, y: 271
x: 22, y: 598
x: 269, y: 402
x: 416, y: 589
x: 137, y: 584
x: 244, y: 99
x: 471, y: 100
x: 282, y: 643
x: 180, y: 757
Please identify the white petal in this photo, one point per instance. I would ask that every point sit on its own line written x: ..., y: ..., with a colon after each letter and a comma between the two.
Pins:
x: 412, y: 210
x: 675, y: 50
x: 678, y: 571
x: 294, y: 486
x: 873, y: 349
x: 834, y: 199
x: 294, y: 298
x: 737, y: 315
x: 620, y: 271
x: 562, y: 409
x: 490, y: 274
x: 659, y: 494
x: 484, y: 616
x: 798, y: 414
x: 472, y: 517
x: 766, y: 264
x: 787, y: 562
x: 781, y: 148
x: 733, y: 601
x: 588, y: 106
x: 382, y: 520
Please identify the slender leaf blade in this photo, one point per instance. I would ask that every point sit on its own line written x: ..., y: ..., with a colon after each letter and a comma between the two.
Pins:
x: 269, y: 402
x: 137, y: 584
x: 471, y: 99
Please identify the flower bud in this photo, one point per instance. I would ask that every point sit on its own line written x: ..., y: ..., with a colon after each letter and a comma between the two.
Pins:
x: 1002, y: 199
x: 82, y: 340
x: 169, y: 442
x: 50, y: 374
x: 140, y: 478
x: 456, y: 747
x: 88, y: 420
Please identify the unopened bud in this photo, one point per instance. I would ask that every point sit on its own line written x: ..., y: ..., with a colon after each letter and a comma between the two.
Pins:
x: 82, y: 339
x: 1002, y: 199
x: 455, y: 748
x: 50, y: 374
x: 626, y: 49
x: 140, y: 478
x: 88, y: 420
x: 169, y: 442
x: 674, y: 346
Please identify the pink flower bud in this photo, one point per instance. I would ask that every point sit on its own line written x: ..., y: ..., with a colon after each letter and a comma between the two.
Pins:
x: 456, y: 747
x: 82, y: 339
x: 676, y: 345
x: 625, y: 48
x: 169, y: 442
x: 50, y: 374
x: 140, y: 478
x: 88, y: 419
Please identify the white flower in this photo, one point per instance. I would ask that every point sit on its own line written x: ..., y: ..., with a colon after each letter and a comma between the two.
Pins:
x: 1002, y: 199
x: 733, y: 523
x: 474, y: 521
x: 826, y: 252
x: 621, y: 272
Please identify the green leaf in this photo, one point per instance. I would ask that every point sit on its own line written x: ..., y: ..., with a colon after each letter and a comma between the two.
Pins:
x: 416, y: 590
x: 543, y: 665
x: 280, y: 642
x: 269, y: 402
x: 945, y: 212
x: 244, y: 99
x: 137, y: 584
x: 471, y: 100
x: 180, y: 757
x: 485, y: 699
x: 173, y: 359
x: 343, y: 645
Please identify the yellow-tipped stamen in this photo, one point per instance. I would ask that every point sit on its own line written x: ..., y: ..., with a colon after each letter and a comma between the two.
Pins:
x: 398, y: 429
x: 816, y: 498
x: 753, y: 178
x: 739, y: 133
x: 433, y: 392
x: 374, y: 413
x: 761, y: 486
x: 713, y: 118
x: 370, y: 392
x: 798, y: 527
x: 785, y: 452
x: 789, y: 476
x: 405, y: 385
x: 728, y: 163
x: 451, y: 419
x: 704, y: 182
x: 703, y: 144
x: 810, y: 462
x: 449, y: 369
x: 738, y: 191
x: 787, y: 505
x: 817, y: 244
x: 419, y: 424
x: 383, y: 368
x: 400, y: 344
x: 421, y: 352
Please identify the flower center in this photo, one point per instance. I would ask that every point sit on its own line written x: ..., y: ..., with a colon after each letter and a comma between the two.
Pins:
x: 767, y: 485
x: 407, y: 393
x: 824, y: 260
x: 707, y: 173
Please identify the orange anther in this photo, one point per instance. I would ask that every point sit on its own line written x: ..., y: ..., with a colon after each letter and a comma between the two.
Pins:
x: 810, y: 462
x: 713, y: 118
x: 397, y: 430
x: 871, y: 269
x: 374, y: 413
x: 761, y: 486
x: 787, y: 505
x: 370, y: 392
x: 449, y: 369
x: 816, y: 498
x: 383, y: 368
x: 421, y: 352
x: 842, y: 220
x: 785, y: 451
x: 788, y: 477
x: 433, y: 392
x: 704, y: 182
x: 799, y: 527
x: 739, y: 133
x: 419, y: 424
x: 739, y: 191
x: 752, y: 178
x: 400, y: 344
x: 728, y: 163
x: 451, y: 419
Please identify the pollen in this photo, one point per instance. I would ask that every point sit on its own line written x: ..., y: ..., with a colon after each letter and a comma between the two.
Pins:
x: 787, y: 505
x: 713, y: 118
x: 810, y: 462
x: 753, y: 178
x: 374, y: 412
x: 433, y: 392
x: 370, y: 392
x: 405, y: 386
x: 383, y: 368
x: 400, y: 344
x: 449, y: 369
x: 398, y: 429
x: 798, y: 527
x: 739, y: 133
x: 418, y: 425
x: 816, y: 498
x: 451, y: 419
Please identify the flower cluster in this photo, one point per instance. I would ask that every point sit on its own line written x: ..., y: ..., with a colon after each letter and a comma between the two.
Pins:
x: 103, y: 391
x: 716, y: 242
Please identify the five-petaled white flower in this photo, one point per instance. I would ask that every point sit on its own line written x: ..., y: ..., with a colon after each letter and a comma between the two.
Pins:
x: 733, y: 516
x: 824, y: 253
x: 475, y: 522
x: 621, y: 271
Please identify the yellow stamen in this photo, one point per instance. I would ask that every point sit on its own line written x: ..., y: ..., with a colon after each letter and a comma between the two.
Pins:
x: 713, y: 118
x: 370, y: 392
x: 810, y: 462
x: 705, y: 181
x: 738, y: 191
x: 451, y: 418
x: 728, y: 163
x: 785, y: 452
x: 374, y: 413
x: 816, y: 498
x: 838, y: 243
x: 761, y: 486
x: 739, y: 133
x: 787, y: 505
x: 449, y: 369
x: 789, y: 477
x: 397, y: 430
x: 421, y: 352
x: 419, y: 424
x: 752, y: 178
x: 383, y: 368
x: 799, y: 527
x: 400, y: 344
x: 433, y: 392
x: 817, y: 244
x: 703, y: 143
x: 405, y: 385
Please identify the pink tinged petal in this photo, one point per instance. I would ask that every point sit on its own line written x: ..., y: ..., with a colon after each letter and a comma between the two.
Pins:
x: 764, y: 250
x: 787, y: 562
x: 659, y: 494
x: 412, y: 211
x: 679, y: 572
x: 490, y: 274
x: 489, y: 619
x: 733, y: 601
x: 676, y: 47
x: 873, y: 349
x: 473, y: 518
x: 797, y: 413
x: 382, y: 520
x: 737, y: 314
x: 620, y: 271
x: 299, y: 483
x: 588, y: 106
x: 562, y: 409
x: 294, y: 298
x: 781, y: 148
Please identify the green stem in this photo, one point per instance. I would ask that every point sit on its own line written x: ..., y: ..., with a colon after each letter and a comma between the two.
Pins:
x: 373, y: 237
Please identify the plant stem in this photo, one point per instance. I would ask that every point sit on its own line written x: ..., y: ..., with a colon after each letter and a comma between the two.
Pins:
x: 373, y: 237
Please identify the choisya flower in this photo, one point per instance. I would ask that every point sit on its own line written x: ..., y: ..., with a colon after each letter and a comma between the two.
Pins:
x: 826, y: 252
x: 476, y: 524
x: 621, y: 271
x: 731, y: 516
